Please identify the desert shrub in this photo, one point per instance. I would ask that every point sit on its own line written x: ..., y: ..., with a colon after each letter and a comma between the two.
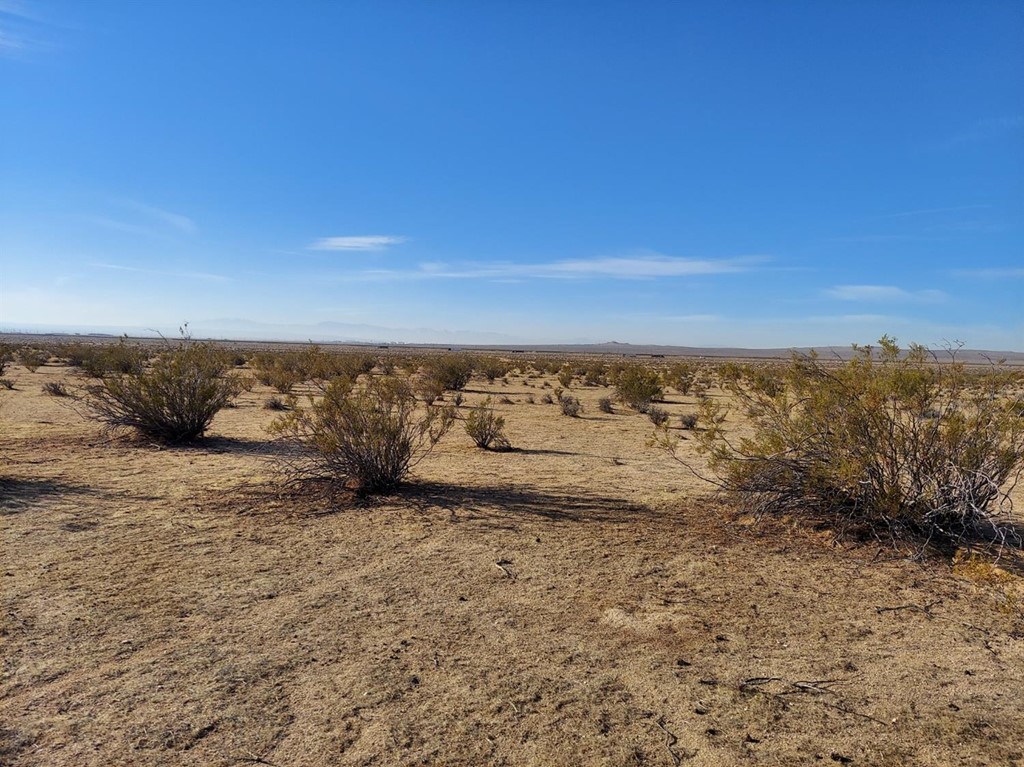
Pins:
x: 280, y: 370
x: 507, y: 401
x: 595, y: 375
x: 174, y: 400
x: 570, y: 405
x: 6, y: 355
x: 275, y: 403
x: 458, y: 399
x: 638, y: 386
x: 547, y: 399
x: 657, y: 415
x: 681, y: 376
x: 889, y: 443
x: 565, y: 376
x: 448, y: 372
x: 487, y: 428
x: 7, y: 383
x: 97, y: 359
x: 688, y: 421
x: 605, y: 405
x: 367, y: 438
x: 56, y: 389
x: 492, y: 368
x: 530, y: 400
x: 32, y: 359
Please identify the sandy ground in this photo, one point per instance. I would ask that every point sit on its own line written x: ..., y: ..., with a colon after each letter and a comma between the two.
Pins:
x: 580, y: 601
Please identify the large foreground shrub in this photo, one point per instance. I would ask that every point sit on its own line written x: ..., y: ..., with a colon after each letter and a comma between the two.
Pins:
x: 890, y: 442
x: 368, y: 437
x: 174, y: 399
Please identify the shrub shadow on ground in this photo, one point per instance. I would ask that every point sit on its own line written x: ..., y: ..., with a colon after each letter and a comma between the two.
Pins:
x: 496, y: 503
x: 18, y: 495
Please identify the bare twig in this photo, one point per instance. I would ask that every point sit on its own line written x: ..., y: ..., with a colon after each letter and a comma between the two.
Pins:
x: 670, y: 741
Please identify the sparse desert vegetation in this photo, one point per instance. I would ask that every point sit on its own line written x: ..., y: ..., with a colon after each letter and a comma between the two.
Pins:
x: 341, y: 578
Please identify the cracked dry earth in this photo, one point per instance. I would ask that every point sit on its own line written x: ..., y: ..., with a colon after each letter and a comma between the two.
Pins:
x: 578, y: 602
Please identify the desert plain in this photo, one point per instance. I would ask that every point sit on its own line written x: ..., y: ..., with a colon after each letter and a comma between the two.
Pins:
x: 580, y: 600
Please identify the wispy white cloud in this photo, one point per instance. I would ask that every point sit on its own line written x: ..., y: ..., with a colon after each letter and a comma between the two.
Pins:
x: 1011, y: 272
x: 696, y: 318
x: 358, y: 242
x: 848, y: 318
x: 638, y: 267
x: 148, y: 220
x: 120, y: 226
x: 176, y: 220
x: 20, y: 28
x: 932, y: 211
x: 988, y: 129
x: 883, y: 293
x: 877, y: 238
x: 204, y: 276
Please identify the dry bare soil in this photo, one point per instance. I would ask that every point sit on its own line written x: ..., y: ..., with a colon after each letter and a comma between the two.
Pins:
x: 581, y: 601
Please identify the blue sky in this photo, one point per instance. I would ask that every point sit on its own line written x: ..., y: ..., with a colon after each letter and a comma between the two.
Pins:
x: 721, y: 173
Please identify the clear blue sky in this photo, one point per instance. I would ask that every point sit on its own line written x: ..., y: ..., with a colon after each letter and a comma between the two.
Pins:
x: 717, y: 173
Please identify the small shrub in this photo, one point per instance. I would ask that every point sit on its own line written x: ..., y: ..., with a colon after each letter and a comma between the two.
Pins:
x: 530, y: 400
x: 565, y: 376
x: 103, y: 359
x: 570, y: 405
x: 7, y: 383
x: 638, y: 387
x: 275, y: 403
x: 507, y: 401
x: 365, y: 438
x: 657, y: 415
x: 174, y: 400
x: 688, y: 421
x: 458, y: 399
x: 547, y: 399
x: 448, y: 372
x: 6, y: 354
x: 595, y: 375
x: 32, y: 359
x: 55, y: 389
x: 681, y: 376
x: 605, y: 405
x: 486, y: 428
x: 492, y: 368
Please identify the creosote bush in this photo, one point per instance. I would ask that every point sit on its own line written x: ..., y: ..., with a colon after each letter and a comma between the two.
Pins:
x: 605, y: 405
x: 448, y: 372
x: 56, y: 389
x: 570, y: 405
x: 638, y: 386
x: 174, y: 399
x: 657, y: 415
x: 366, y: 438
x: 891, y: 443
x: 32, y: 359
x: 487, y: 428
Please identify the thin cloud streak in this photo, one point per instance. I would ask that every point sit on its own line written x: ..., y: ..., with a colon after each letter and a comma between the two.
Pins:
x: 644, y: 267
x: 205, y: 276
x: 930, y: 211
x: 176, y: 220
x: 991, y: 274
x: 878, y: 293
x: 366, y: 242
x: 120, y: 226
x: 983, y: 130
